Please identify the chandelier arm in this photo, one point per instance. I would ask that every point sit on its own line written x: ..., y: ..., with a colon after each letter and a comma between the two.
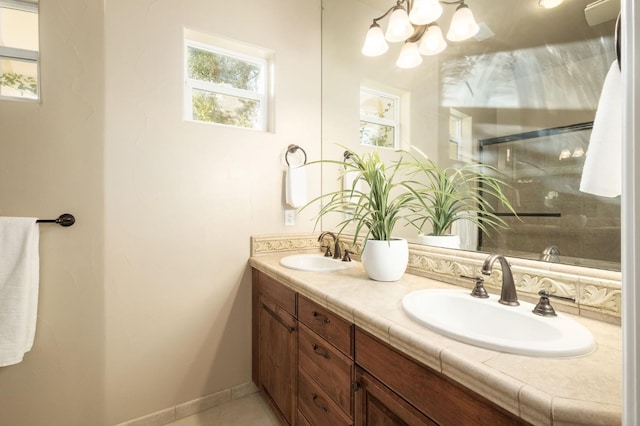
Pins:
x: 418, y: 32
x: 451, y: 2
x: 392, y: 8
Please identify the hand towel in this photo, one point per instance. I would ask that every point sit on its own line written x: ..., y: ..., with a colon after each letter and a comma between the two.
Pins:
x: 19, y: 280
x: 602, y: 172
x: 349, y: 183
x: 296, y: 186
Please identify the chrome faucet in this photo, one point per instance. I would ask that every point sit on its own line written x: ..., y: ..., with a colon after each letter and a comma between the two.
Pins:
x: 336, y: 244
x: 508, y: 295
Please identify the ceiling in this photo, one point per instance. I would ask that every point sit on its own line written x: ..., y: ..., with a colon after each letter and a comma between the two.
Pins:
x: 517, y: 24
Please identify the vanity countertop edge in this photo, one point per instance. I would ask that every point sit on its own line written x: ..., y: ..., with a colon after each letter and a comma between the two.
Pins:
x: 540, y: 390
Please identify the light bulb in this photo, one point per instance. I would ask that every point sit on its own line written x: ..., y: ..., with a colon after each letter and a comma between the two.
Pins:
x: 409, y: 56
x: 374, y: 43
x: 400, y: 27
x: 549, y: 4
x: 432, y: 41
x: 424, y: 12
x: 463, y: 24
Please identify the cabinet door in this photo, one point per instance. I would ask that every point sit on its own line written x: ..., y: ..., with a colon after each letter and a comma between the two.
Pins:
x: 277, y: 343
x: 376, y: 405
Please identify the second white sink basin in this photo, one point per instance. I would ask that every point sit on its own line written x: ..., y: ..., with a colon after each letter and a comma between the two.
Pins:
x: 489, y: 324
x: 314, y: 263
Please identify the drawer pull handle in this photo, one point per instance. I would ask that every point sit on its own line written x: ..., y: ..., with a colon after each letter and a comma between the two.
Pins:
x: 319, y: 317
x: 319, y: 403
x: 319, y: 350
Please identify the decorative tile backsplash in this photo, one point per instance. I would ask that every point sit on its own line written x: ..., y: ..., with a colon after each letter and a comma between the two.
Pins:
x: 597, y: 292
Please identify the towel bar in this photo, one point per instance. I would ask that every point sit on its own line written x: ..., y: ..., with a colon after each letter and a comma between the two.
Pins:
x: 65, y: 219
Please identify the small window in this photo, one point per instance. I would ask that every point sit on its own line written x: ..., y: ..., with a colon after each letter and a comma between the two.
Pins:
x: 19, y: 49
x: 225, y: 87
x: 459, y: 136
x: 379, y: 119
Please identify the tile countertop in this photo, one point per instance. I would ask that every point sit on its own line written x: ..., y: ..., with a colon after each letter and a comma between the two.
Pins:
x: 543, y: 391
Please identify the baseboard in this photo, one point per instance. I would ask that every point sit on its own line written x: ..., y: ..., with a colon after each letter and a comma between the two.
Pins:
x: 171, y: 414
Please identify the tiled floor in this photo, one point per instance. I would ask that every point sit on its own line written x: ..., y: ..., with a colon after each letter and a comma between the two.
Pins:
x: 251, y: 410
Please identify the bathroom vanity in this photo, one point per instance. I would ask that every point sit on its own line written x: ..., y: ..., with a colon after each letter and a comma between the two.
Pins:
x: 336, y: 348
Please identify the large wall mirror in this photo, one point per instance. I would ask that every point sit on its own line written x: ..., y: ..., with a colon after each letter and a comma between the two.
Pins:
x: 527, y: 71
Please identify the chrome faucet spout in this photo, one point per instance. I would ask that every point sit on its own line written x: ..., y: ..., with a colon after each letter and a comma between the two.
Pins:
x: 337, y: 253
x: 508, y: 294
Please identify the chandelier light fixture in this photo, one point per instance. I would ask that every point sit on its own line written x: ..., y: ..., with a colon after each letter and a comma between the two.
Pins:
x: 414, y: 23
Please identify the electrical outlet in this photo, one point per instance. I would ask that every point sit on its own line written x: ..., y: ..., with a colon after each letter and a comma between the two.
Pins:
x: 289, y: 217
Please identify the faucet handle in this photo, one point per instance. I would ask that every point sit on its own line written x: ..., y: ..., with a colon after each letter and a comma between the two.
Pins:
x: 327, y: 252
x: 346, y: 257
x: 544, y: 307
x: 479, y: 291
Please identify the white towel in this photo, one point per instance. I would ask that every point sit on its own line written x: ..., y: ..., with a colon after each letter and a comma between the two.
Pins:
x: 19, y: 278
x: 348, y: 179
x: 602, y: 172
x: 467, y: 230
x: 296, y: 186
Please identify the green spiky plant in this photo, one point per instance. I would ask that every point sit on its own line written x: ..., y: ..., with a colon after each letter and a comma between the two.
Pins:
x: 443, y: 196
x: 374, y: 211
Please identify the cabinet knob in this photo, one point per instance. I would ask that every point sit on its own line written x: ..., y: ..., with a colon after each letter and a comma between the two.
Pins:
x: 355, y: 386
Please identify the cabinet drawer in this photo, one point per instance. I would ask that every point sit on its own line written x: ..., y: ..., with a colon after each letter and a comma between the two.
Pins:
x: 279, y: 293
x: 329, y: 367
x: 442, y: 400
x: 316, y: 406
x: 326, y: 324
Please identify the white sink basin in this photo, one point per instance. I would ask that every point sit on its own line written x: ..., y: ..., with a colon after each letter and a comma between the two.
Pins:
x: 489, y: 324
x: 314, y: 263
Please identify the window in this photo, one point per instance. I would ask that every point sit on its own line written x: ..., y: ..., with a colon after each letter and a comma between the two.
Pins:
x: 226, y: 86
x: 379, y: 119
x: 19, y: 50
x: 459, y: 135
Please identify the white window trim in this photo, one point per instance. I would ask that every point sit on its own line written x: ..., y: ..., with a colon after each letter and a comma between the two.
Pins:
x: 390, y: 122
x: 260, y: 95
x: 26, y: 55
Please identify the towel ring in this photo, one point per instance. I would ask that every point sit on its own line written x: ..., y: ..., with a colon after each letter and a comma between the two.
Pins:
x: 292, y: 149
x: 347, y: 155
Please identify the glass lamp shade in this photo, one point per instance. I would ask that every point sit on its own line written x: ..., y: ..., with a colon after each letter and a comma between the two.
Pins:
x: 424, y: 12
x: 463, y: 25
x: 374, y: 43
x: 549, y: 4
x: 409, y: 56
x: 400, y: 27
x: 432, y: 41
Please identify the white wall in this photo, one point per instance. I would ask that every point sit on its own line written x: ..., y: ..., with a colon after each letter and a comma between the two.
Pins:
x: 183, y: 198
x: 145, y: 301
x: 51, y: 162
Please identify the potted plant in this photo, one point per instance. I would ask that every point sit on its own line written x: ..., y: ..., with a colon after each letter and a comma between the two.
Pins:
x: 378, y: 199
x: 444, y: 196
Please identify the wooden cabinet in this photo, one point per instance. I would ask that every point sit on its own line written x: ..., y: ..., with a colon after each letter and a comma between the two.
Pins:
x: 325, y: 365
x: 439, y: 398
x: 318, y: 369
x: 377, y: 405
x: 275, y: 345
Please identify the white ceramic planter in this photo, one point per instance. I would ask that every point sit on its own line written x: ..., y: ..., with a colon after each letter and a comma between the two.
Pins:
x: 446, y: 241
x: 385, y: 260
